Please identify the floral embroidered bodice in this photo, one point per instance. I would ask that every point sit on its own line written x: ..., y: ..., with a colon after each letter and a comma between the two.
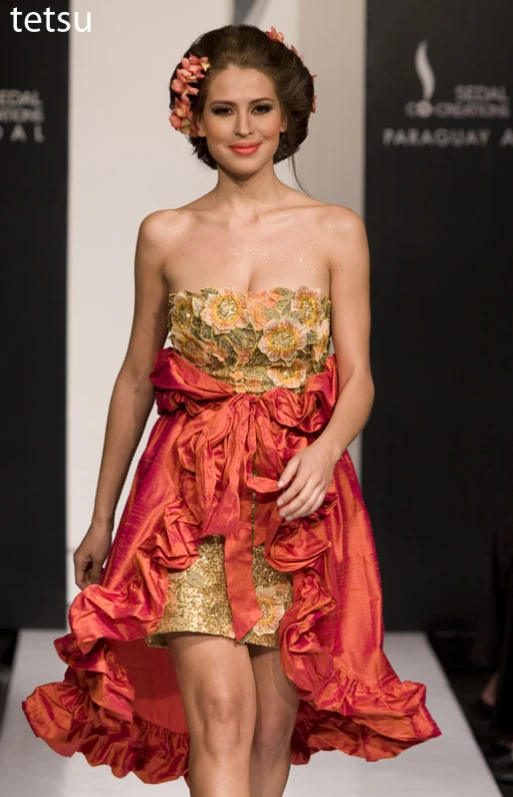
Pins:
x: 257, y: 341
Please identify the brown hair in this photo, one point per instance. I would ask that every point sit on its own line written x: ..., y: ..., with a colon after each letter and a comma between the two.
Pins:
x: 246, y: 46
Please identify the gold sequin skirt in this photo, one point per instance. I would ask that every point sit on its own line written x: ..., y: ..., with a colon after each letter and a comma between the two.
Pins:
x: 197, y: 598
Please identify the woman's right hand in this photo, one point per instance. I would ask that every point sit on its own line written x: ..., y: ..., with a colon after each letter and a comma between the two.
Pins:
x: 91, y: 554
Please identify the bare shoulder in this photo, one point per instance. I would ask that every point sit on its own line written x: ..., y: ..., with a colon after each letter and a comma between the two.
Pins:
x: 160, y: 226
x: 346, y: 238
x: 160, y: 234
x: 342, y: 222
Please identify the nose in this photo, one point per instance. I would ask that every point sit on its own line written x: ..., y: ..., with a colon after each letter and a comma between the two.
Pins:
x: 243, y: 125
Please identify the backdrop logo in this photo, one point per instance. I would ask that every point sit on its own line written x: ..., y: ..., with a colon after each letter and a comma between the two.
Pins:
x: 22, y: 113
x: 468, y: 101
x: 427, y: 79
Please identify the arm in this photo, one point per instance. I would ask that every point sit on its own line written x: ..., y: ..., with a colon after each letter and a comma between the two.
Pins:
x: 312, y: 468
x: 133, y: 393
x: 350, y: 297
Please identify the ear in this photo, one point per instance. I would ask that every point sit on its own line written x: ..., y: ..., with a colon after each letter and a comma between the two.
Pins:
x: 199, y: 126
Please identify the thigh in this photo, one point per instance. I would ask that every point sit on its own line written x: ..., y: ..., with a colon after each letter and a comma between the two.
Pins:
x: 216, y: 682
x: 277, y: 698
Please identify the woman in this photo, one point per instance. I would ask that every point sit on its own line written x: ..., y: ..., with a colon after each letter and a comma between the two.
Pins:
x: 237, y: 625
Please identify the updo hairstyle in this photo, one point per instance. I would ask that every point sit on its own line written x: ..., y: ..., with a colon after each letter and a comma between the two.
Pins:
x: 246, y: 46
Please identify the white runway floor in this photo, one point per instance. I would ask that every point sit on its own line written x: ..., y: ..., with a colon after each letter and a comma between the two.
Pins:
x: 449, y: 765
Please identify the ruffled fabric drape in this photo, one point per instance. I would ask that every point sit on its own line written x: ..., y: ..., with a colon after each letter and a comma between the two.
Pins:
x: 119, y: 703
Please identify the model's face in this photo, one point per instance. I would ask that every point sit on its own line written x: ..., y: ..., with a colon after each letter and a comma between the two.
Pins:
x: 242, y: 107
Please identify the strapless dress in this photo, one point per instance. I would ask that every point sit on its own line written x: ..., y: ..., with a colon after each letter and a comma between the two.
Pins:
x: 254, y: 342
x: 201, y: 546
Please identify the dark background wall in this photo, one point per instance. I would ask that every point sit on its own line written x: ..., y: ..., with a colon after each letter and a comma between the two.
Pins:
x: 437, y: 462
x: 33, y: 208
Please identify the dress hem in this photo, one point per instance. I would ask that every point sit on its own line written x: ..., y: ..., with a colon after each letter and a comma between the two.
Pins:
x: 119, y: 703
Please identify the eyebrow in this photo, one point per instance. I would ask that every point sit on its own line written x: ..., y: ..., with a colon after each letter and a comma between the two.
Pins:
x: 227, y: 102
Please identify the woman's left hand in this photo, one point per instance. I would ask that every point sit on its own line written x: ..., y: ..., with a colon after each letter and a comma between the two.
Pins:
x: 313, y: 469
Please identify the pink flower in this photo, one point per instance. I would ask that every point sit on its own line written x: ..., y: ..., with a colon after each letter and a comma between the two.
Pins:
x: 274, y: 34
x: 176, y: 122
x: 181, y: 117
x: 193, y: 59
x: 182, y: 106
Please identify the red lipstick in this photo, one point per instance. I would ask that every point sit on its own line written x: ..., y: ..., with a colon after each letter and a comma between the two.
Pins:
x: 245, y: 149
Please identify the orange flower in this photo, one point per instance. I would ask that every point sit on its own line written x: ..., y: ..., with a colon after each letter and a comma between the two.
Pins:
x: 320, y: 347
x: 225, y: 311
x: 271, y: 603
x: 308, y: 303
x: 181, y: 312
x: 281, y: 339
x: 190, y: 348
x: 266, y: 301
x: 253, y: 385
x: 242, y: 352
x: 293, y: 375
x: 216, y: 351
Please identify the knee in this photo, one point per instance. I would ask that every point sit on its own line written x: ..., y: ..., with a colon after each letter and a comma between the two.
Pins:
x: 272, y: 740
x: 224, y: 724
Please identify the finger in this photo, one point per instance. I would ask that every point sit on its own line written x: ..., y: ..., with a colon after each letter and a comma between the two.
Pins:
x: 80, y: 581
x: 292, y: 493
x: 288, y: 473
x: 304, y: 510
x: 316, y: 500
x: 81, y: 570
x: 317, y: 504
x: 307, y: 496
x: 96, y: 572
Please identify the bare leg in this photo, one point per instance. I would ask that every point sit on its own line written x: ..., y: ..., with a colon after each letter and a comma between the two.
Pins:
x: 277, y: 704
x: 218, y: 691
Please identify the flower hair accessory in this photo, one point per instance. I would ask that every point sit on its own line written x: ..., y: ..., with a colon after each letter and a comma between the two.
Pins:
x: 276, y: 35
x: 181, y: 117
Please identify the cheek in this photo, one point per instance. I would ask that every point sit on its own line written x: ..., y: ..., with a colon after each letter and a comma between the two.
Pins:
x: 218, y: 127
x: 270, y: 123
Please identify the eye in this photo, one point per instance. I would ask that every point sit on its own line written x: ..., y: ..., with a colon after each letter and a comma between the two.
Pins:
x: 263, y: 108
